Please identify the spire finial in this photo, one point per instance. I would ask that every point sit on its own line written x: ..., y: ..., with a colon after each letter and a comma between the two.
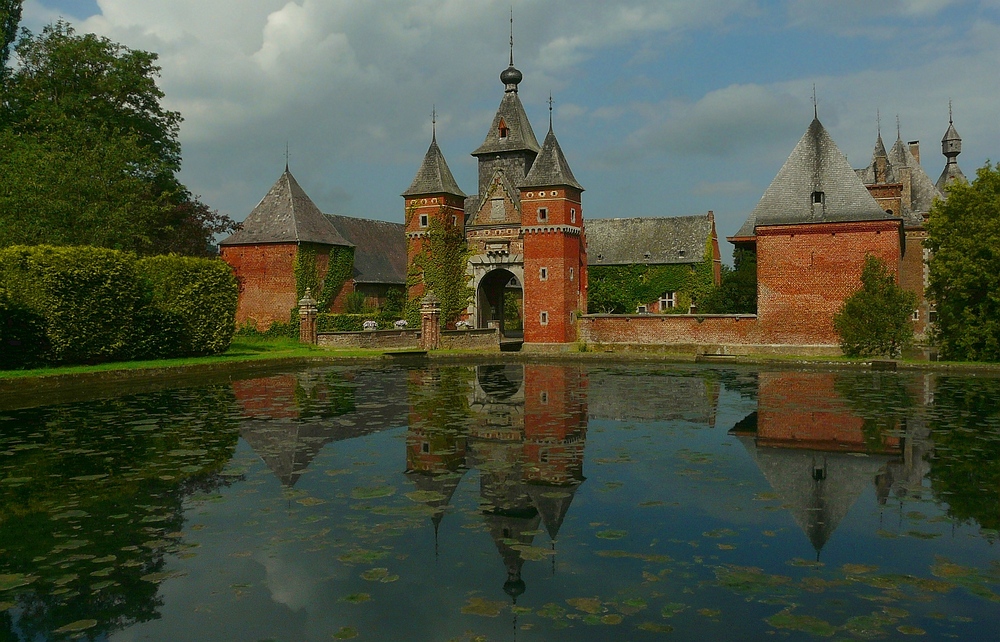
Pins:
x: 434, y: 123
x: 899, y: 135
x: 286, y: 156
x: 550, y: 111
x: 950, y: 122
x: 512, y: 35
x: 815, y: 104
x: 878, y: 122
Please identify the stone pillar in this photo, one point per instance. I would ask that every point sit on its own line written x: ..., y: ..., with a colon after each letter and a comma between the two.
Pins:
x: 430, y: 322
x: 307, y: 318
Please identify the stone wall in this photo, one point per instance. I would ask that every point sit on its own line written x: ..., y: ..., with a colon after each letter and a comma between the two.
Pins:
x: 377, y: 339
x: 488, y: 339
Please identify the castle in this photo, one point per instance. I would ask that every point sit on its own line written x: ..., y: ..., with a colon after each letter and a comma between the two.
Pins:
x: 524, y: 228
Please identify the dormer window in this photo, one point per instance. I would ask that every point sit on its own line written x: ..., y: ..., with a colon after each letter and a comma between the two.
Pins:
x: 818, y: 198
x: 682, y: 253
x: 503, y: 130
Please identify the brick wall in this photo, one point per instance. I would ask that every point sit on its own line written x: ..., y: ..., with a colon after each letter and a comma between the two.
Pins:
x: 912, y: 276
x: 488, y: 339
x: 705, y: 331
x: 804, y: 273
x: 266, y: 281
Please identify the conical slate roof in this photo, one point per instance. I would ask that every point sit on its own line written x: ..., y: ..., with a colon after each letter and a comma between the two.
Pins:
x: 550, y: 168
x: 922, y: 189
x: 816, y: 165
x: 552, y: 503
x: 286, y: 215
x: 519, y: 133
x: 869, y: 175
x: 434, y: 177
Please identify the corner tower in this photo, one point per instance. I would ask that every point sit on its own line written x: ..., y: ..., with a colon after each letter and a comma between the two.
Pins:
x: 432, y: 198
x: 555, y: 256
x: 951, y: 147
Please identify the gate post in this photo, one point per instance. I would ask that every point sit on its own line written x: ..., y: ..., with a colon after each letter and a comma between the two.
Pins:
x: 430, y: 322
x: 307, y: 318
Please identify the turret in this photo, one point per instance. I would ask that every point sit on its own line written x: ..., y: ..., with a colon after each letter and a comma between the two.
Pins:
x: 951, y: 147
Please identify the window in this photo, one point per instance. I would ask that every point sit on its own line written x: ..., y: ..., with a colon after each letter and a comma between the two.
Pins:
x: 543, y: 318
x: 571, y: 274
x: 572, y: 215
x: 916, y: 315
x: 543, y: 214
x: 502, y: 129
x: 818, y: 198
x: 543, y: 274
x: 425, y: 447
x: 544, y: 397
x: 641, y: 309
x: 423, y: 220
x: 932, y: 316
x: 668, y: 300
x: 454, y: 220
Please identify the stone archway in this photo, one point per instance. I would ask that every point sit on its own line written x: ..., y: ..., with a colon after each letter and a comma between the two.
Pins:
x: 500, y: 302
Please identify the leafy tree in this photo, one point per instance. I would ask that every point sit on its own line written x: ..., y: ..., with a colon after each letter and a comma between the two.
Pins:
x: 875, y: 320
x: 737, y: 294
x: 10, y: 17
x: 964, y: 239
x: 88, y: 155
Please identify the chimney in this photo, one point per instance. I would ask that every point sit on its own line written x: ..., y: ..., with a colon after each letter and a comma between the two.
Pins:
x: 915, y: 149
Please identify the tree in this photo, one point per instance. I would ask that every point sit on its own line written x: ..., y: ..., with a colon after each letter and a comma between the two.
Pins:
x: 10, y: 17
x: 875, y: 320
x: 964, y: 240
x: 88, y: 155
x: 737, y: 293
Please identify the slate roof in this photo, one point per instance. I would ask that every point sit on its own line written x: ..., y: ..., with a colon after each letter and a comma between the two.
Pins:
x: 626, y: 241
x: 519, y: 136
x: 286, y: 215
x: 816, y: 164
x: 550, y: 167
x: 379, y: 248
x: 434, y: 176
x: 868, y: 174
x: 952, y: 172
x: 922, y: 188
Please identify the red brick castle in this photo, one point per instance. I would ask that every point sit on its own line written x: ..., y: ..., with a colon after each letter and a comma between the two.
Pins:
x: 524, y: 228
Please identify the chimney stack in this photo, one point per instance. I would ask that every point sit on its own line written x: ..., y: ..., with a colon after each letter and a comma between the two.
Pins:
x: 915, y: 149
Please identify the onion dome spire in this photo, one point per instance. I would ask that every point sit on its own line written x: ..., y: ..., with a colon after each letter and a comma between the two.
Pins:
x: 511, y: 77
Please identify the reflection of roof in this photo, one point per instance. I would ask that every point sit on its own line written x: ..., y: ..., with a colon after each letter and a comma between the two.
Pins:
x: 815, y: 166
x: 612, y: 395
x: 552, y: 503
x: 819, y: 487
x: 379, y: 248
x: 286, y: 215
x: 656, y: 241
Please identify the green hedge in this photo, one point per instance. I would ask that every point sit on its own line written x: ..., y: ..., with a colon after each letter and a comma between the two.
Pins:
x: 70, y: 305
x: 196, y: 296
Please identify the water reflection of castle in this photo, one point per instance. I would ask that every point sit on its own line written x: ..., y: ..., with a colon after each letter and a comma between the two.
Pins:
x: 525, y: 432
x: 819, y: 451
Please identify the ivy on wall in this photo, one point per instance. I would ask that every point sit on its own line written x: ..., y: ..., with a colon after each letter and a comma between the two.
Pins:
x: 621, y: 289
x: 339, y: 269
x: 443, y: 270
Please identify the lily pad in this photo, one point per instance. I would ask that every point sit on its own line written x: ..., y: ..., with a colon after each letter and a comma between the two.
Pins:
x: 586, y: 604
x: 16, y: 580
x: 611, y: 534
x: 375, y: 492
x: 653, y: 627
x: 672, y: 608
x: 482, y: 607
x: 379, y: 575
x: 362, y: 556
x: 160, y: 577
x: 746, y: 579
x: 345, y: 633
x: 551, y: 611
x: 803, y: 623
x: 911, y: 630
x: 358, y: 598
x: 858, y: 569
x: 425, y: 496
x: 75, y: 627
x: 310, y: 501
x: 611, y: 619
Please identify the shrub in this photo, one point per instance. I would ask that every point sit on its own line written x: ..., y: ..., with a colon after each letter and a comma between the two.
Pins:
x: 196, y: 297
x: 87, y: 297
x: 22, y: 335
x: 875, y: 320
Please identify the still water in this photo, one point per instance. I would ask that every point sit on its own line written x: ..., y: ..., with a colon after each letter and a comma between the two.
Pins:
x: 508, y: 502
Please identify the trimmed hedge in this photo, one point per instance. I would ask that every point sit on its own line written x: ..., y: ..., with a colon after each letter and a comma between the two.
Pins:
x: 70, y: 305
x: 197, y: 296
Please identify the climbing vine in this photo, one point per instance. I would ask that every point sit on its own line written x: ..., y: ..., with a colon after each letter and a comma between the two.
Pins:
x: 442, y: 268
x: 621, y: 289
x: 339, y: 269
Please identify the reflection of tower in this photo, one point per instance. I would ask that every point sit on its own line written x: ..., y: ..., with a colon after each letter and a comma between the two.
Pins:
x: 435, y: 449
x: 811, y: 448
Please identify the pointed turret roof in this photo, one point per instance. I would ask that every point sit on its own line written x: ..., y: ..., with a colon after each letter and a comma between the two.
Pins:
x: 922, y: 189
x: 951, y: 147
x: 552, y: 503
x: 286, y: 215
x: 816, y: 168
x: 519, y: 135
x: 869, y: 175
x: 434, y: 176
x: 550, y: 167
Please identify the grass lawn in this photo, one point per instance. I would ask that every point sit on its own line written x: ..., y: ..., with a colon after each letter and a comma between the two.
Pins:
x: 243, y: 349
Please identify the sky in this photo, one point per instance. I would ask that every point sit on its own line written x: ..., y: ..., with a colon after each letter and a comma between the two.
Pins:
x: 662, y: 107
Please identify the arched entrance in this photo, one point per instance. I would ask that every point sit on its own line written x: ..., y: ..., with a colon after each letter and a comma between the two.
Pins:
x: 500, y: 303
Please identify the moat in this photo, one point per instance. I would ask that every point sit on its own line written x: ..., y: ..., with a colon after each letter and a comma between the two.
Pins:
x: 508, y: 502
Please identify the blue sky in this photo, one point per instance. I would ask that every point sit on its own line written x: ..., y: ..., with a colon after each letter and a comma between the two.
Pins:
x: 663, y: 107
